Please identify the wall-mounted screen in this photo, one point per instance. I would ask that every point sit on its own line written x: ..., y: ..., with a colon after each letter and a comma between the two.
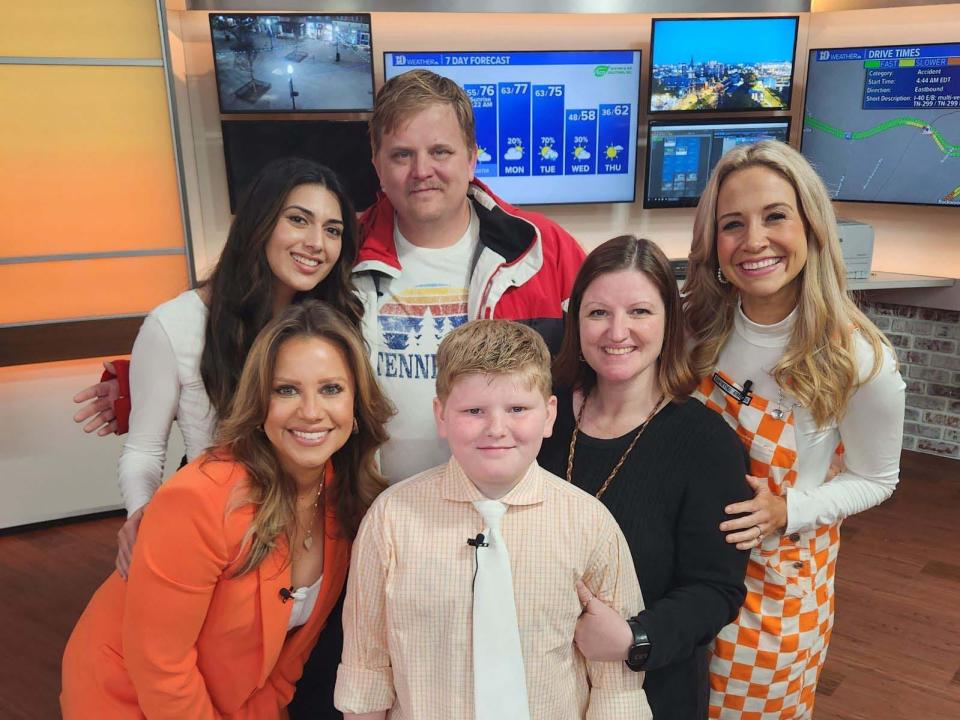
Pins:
x: 882, y: 124
x: 681, y: 155
x: 722, y: 64
x: 552, y: 127
x: 343, y: 146
x: 292, y: 63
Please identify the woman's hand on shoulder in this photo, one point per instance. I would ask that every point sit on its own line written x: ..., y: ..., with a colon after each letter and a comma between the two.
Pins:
x: 761, y: 516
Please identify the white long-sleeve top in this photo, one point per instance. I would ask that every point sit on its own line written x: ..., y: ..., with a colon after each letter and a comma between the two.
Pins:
x: 871, y: 428
x: 165, y: 384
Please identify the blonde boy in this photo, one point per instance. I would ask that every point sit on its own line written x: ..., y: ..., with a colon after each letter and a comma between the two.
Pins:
x: 415, y: 580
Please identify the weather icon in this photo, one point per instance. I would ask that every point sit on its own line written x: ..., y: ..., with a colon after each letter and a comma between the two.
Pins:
x: 483, y: 155
x: 514, y: 153
x: 548, y: 153
x: 613, y: 151
x: 581, y: 153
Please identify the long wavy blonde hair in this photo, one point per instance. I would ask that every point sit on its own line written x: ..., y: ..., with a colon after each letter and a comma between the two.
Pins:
x: 819, y: 366
x: 241, y: 439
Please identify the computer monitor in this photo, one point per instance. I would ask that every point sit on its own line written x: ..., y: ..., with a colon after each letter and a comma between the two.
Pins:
x: 552, y: 126
x: 343, y: 146
x: 882, y: 123
x: 681, y: 155
x: 722, y: 64
x: 294, y: 62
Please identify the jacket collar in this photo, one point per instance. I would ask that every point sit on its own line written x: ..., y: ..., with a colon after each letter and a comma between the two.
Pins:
x: 502, y: 229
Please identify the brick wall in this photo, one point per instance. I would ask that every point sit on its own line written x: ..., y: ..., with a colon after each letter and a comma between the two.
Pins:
x: 928, y: 346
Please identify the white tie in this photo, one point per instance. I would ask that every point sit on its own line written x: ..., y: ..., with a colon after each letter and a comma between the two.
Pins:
x: 499, y: 685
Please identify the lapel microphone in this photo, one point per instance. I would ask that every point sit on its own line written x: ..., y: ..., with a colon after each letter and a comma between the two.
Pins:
x: 478, y: 541
x: 286, y: 594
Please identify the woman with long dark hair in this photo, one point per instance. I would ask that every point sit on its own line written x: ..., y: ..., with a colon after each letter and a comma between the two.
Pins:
x: 294, y: 237
x: 244, y: 552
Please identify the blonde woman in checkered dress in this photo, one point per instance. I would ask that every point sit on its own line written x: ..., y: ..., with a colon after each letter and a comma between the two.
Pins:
x: 791, y: 363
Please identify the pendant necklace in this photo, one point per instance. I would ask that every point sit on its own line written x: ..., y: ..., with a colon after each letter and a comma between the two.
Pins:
x: 780, y: 412
x: 308, y: 538
x: 616, y: 468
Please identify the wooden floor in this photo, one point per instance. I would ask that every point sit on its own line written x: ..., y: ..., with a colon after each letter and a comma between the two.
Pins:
x: 895, y: 652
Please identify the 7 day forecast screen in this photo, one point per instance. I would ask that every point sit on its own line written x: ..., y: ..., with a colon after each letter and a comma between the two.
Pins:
x: 552, y: 127
x: 882, y: 124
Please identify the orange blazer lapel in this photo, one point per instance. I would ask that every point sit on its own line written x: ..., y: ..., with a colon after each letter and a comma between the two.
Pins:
x: 274, y: 575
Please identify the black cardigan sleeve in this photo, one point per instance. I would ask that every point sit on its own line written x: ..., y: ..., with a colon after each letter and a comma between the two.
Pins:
x: 708, y: 587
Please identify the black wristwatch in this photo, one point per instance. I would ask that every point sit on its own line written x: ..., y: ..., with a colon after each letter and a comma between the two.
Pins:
x: 639, y: 651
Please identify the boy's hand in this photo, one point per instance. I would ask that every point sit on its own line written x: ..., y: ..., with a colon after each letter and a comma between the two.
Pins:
x: 601, y: 633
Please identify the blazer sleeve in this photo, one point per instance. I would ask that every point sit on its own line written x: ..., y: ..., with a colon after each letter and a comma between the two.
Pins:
x: 178, y: 559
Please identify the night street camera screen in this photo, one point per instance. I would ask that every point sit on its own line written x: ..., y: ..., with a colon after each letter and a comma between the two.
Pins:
x: 292, y: 63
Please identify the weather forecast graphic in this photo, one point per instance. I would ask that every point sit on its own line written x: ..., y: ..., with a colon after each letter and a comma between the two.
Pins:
x: 882, y: 124
x: 547, y: 119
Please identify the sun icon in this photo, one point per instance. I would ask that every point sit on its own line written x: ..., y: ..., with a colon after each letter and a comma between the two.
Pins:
x: 613, y: 151
x: 581, y: 153
x: 548, y: 153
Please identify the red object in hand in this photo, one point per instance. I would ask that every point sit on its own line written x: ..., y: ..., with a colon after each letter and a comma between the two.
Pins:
x: 121, y: 406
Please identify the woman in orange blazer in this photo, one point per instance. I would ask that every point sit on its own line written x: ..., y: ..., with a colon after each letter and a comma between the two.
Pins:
x: 244, y: 552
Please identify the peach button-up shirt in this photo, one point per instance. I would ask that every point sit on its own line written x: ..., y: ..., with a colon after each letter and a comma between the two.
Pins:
x: 408, y: 612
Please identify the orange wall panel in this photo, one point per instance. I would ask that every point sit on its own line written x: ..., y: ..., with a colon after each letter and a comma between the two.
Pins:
x: 80, y: 28
x: 89, y: 288
x: 92, y: 167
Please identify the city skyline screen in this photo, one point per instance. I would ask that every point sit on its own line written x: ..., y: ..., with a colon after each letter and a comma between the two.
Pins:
x: 294, y: 62
x: 722, y: 64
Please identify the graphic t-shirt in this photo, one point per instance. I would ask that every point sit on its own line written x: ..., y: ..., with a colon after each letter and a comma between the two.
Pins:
x: 415, y: 311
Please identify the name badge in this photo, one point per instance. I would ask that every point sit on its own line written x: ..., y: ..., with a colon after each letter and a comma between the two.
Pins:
x: 741, y: 395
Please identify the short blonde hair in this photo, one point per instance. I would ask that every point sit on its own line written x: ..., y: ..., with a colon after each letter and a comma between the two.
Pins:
x: 493, y: 347
x: 404, y: 96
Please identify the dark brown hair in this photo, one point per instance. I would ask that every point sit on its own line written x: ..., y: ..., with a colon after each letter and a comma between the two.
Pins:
x: 241, y: 285
x: 627, y: 252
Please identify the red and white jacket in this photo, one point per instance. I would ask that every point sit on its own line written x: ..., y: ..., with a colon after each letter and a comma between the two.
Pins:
x: 524, y: 271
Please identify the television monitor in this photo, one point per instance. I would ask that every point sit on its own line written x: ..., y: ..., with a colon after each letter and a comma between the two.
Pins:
x: 722, y: 64
x: 292, y: 63
x: 882, y: 124
x: 681, y: 155
x: 552, y: 127
x: 343, y: 146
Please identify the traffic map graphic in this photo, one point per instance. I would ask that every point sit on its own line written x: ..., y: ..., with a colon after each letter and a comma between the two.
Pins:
x: 882, y: 124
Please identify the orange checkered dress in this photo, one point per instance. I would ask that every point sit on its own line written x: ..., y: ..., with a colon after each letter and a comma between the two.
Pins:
x: 765, y: 664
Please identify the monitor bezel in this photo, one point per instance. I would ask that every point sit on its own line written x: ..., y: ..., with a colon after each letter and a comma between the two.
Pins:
x: 275, y: 111
x: 648, y: 204
x: 803, y: 120
x: 234, y: 195
x: 793, y: 65
x: 636, y: 139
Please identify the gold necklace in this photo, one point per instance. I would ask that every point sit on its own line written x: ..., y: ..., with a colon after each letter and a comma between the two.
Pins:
x: 308, y: 538
x: 616, y: 468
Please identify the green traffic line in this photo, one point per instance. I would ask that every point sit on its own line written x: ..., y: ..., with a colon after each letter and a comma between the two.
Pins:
x: 936, y: 135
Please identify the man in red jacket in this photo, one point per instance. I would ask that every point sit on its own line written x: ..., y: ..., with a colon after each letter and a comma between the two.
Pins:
x: 438, y: 248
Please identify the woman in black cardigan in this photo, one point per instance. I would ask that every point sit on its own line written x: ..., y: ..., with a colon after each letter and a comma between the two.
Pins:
x: 666, y: 468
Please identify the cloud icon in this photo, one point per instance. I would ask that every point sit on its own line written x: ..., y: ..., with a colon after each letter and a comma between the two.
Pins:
x: 514, y: 153
x: 548, y: 153
x: 483, y: 155
x: 581, y: 153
